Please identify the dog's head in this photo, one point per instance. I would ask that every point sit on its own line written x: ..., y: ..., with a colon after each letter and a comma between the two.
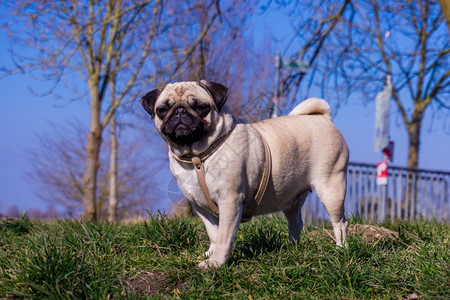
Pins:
x: 183, y: 111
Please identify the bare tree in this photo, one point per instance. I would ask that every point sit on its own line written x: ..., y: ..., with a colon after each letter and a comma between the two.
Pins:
x: 99, y: 40
x: 57, y: 168
x: 227, y: 56
x: 355, y: 44
x: 409, y: 41
x: 113, y: 170
x: 314, y: 25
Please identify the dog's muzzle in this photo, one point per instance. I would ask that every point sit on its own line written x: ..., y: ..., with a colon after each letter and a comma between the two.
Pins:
x: 183, y: 125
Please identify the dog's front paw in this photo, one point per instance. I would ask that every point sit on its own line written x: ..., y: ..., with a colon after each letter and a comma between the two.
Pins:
x: 209, y: 264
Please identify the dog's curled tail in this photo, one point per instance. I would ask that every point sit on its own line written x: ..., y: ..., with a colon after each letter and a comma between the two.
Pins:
x: 312, y: 106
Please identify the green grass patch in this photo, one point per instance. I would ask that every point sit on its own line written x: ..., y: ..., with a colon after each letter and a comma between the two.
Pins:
x: 158, y: 258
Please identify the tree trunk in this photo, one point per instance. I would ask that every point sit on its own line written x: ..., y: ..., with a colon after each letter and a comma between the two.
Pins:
x: 94, y: 140
x: 414, y: 129
x: 445, y: 7
x: 112, y: 209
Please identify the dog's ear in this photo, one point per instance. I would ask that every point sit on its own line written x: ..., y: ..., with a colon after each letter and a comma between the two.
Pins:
x: 149, y: 100
x: 218, y: 92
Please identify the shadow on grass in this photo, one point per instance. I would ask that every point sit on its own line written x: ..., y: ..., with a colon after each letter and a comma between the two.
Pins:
x: 263, y: 236
x: 171, y: 234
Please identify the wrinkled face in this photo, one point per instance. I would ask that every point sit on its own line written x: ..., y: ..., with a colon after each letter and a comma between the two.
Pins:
x: 183, y: 111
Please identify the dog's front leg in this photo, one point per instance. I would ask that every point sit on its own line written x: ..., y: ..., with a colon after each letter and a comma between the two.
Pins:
x: 229, y: 219
x: 212, y: 228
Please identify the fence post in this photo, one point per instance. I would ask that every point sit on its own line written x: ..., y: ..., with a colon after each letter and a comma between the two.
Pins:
x: 382, y: 182
x: 383, y: 200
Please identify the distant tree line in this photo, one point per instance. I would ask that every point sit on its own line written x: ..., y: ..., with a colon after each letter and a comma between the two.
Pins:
x: 50, y: 213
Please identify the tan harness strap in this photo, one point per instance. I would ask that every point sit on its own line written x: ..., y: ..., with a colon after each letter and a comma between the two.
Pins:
x: 200, y: 172
x: 199, y: 168
x: 264, y: 180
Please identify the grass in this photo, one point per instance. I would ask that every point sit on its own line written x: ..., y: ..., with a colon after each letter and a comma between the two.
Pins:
x: 157, y: 259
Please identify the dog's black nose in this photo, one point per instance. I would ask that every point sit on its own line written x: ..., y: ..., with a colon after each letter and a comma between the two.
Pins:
x: 180, y: 111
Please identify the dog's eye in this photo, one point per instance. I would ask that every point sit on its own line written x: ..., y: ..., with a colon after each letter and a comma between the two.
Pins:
x: 202, y: 110
x: 162, y: 111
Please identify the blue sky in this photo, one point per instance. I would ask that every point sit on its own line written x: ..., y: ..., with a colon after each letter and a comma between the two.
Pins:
x: 23, y: 114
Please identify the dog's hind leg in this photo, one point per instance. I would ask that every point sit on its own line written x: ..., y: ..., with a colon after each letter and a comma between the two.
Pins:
x: 332, y: 194
x: 294, y: 217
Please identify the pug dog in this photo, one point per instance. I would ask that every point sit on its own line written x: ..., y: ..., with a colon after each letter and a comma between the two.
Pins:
x: 306, y: 152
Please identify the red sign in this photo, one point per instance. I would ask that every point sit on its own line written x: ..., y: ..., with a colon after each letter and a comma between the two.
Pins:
x: 382, y: 173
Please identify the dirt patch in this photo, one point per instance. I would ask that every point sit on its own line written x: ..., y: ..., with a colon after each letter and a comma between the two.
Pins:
x: 367, y: 233
x: 149, y: 283
x: 372, y: 234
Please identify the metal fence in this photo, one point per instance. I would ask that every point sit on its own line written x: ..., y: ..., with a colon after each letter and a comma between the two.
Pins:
x: 411, y: 193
